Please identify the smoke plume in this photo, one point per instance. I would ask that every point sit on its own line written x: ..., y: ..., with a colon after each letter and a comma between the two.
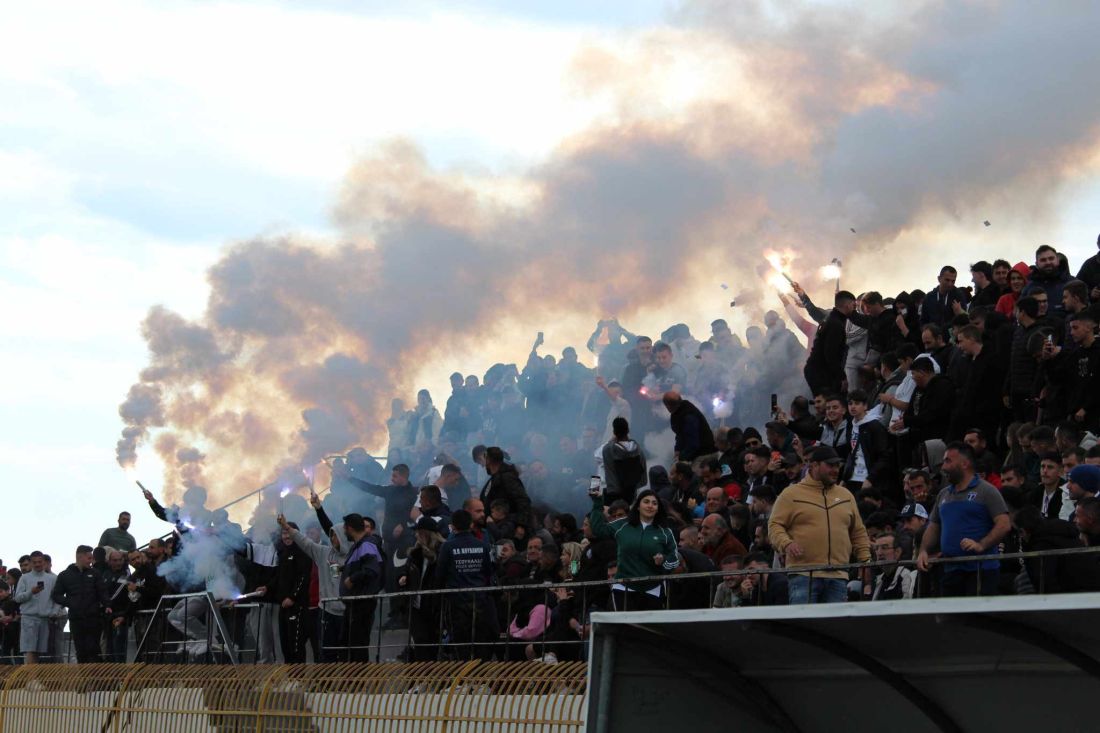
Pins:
x: 739, y: 127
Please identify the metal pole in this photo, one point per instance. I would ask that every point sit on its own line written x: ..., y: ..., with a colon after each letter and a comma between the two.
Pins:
x: 603, y: 701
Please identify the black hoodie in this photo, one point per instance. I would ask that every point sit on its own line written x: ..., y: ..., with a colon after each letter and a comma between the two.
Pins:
x: 505, y: 484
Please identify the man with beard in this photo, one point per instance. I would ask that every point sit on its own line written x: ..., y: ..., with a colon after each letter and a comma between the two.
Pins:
x: 1048, y: 275
x: 970, y: 518
x: 816, y: 522
x: 118, y: 537
x: 361, y: 576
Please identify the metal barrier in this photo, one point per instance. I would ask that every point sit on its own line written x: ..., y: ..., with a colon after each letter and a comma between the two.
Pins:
x: 502, y: 645
x: 451, y: 624
x: 439, y: 696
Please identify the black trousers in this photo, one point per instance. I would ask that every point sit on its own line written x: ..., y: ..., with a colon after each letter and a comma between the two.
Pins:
x: 358, y: 620
x: 970, y: 583
x: 294, y: 630
x: 636, y: 601
x: 473, y: 627
x: 424, y: 630
x: 86, y: 634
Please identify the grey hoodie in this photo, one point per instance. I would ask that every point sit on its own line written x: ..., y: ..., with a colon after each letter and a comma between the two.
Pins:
x: 35, y: 604
x: 616, y: 451
x: 324, y: 556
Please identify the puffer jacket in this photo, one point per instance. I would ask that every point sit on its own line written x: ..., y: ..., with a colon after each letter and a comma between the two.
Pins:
x: 825, y: 523
x: 1022, y: 366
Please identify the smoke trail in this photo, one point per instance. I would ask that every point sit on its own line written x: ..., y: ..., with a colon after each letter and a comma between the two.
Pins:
x: 805, y: 124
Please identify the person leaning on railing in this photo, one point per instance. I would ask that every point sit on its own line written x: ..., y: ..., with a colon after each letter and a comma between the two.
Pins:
x: 645, y: 547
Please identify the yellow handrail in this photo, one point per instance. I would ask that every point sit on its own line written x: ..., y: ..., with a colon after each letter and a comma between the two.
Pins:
x: 430, y: 696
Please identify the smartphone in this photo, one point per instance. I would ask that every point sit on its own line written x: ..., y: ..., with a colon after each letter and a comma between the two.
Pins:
x: 775, y: 404
x: 594, y: 486
x: 41, y: 584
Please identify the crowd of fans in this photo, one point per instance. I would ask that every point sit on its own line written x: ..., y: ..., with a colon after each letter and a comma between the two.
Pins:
x: 920, y: 430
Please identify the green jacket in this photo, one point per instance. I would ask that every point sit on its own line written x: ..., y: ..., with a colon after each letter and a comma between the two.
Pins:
x: 636, y: 546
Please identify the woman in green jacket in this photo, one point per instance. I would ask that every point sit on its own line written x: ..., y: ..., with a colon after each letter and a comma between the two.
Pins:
x: 646, y: 547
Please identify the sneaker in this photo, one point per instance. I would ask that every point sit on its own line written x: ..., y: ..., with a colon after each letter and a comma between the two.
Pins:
x: 550, y: 658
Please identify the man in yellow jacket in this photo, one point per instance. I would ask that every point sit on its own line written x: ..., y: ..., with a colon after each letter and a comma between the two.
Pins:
x: 816, y: 522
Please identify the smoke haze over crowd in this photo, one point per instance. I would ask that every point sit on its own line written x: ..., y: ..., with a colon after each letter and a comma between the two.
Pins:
x: 736, y: 128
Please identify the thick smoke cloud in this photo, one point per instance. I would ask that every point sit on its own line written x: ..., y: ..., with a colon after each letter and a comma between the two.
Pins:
x: 817, y: 121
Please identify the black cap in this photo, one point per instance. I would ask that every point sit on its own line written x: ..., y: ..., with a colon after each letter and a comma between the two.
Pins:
x: 790, y: 459
x: 824, y: 454
x: 427, y: 523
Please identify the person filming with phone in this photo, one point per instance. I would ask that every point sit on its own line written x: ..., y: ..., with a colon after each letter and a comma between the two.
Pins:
x: 33, y: 596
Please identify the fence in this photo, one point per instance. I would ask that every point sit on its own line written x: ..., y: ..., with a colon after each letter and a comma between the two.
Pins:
x: 440, y: 640
x: 444, y: 697
x: 454, y: 624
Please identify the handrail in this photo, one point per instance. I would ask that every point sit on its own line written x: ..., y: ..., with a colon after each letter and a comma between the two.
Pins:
x: 805, y: 569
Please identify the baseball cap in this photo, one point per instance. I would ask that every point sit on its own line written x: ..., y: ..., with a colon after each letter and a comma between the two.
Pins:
x: 790, y: 459
x: 913, y: 510
x: 427, y: 523
x: 824, y: 454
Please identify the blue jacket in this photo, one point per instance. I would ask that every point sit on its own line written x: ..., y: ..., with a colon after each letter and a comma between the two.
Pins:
x: 464, y: 562
x: 363, y: 567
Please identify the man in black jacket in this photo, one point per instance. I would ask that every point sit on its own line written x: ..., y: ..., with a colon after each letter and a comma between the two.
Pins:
x: 292, y: 576
x: 466, y: 562
x: 1077, y: 372
x: 1057, y: 573
x: 881, y: 324
x: 871, y: 462
x: 980, y: 403
x: 432, y: 507
x: 694, y: 437
x: 928, y: 416
x: 80, y: 589
x: 504, y: 483
x: 939, y: 304
x: 824, y: 370
x: 986, y: 292
x: 360, y: 576
x: 399, y: 497
x: 1023, y: 367
x: 1090, y: 274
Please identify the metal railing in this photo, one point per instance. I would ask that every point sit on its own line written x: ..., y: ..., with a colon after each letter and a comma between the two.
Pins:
x: 497, y: 598
x: 460, y: 624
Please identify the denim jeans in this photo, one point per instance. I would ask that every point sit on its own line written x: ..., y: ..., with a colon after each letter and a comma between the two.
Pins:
x: 821, y: 590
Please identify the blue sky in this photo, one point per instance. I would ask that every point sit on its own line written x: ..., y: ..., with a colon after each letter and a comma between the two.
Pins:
x: 139, y: 138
